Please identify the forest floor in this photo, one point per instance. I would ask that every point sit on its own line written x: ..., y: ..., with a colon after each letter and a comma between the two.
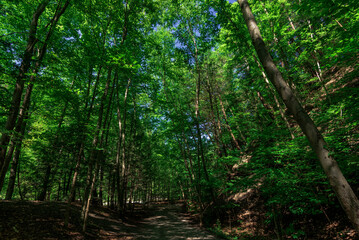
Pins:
x: 45, y: 220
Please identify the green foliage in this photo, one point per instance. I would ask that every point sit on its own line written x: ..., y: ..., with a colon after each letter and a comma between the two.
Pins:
x: 202, y: 122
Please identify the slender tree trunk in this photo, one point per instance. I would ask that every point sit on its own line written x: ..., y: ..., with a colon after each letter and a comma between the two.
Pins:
x: 91, y: 175
x: 318, y: 72
x: 238, y: 129
x: 66, y: 188
x: 111, y: 188
x: 80, y: 154
x: 87, y: 199
x: 219, y: 124
x: 285, y: 119
x: 17, y: 138
x: 121, y: 128
x: 122, y: 197
x: 14, y: 166
x: 17, y: 145
x: 45, y: 184
x: 227, y: 123
x: 49, y: 165
x: 200, y: 153
x: 18, y: 182
x: 342, y: 189
x: 104, y: 134
x: 71, y: 197
x: 215, y: 126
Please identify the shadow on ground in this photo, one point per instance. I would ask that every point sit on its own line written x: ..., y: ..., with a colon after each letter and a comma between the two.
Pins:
x: 44, y: 220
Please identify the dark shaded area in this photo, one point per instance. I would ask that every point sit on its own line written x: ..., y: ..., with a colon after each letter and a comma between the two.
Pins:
x: 44, y: 220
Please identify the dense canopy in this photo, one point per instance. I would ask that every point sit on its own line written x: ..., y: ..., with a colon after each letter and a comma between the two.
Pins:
x: 115, y: 102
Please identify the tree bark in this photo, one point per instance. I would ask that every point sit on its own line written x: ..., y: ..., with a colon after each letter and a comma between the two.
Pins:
x: 19, y: 85
x: 341, y: 187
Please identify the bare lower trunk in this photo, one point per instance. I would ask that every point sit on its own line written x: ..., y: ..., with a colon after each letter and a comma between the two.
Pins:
x: 12, y: 178
x: 45, y: 185
x: 73, y: 188
x: 88, y: 199
x: 342, y: 189
x: 16, y: 143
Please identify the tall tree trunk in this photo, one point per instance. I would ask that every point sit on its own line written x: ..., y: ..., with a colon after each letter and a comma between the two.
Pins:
x: 26, y: 103
x: 215, y: 126
x: 104, y: 135
x: 71, y: 197
x: 15, y: 161
x: 19, y: 85
x: 14, y: 166
x: 93, y: 161
x: 121, y: 197
x: 46, y: 181
x: 17, y: 138
x: 200, y: 152
x: 81, y: 144
x: 342, y: 189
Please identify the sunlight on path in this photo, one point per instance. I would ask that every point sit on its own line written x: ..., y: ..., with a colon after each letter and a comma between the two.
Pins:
x: 168, y: 224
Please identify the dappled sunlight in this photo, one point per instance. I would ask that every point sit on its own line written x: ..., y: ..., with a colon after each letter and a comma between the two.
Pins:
x: 179, y: 119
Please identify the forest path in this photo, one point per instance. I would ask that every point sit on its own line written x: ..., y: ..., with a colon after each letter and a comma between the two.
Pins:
x: 166, y: 222
x: 45, y: 220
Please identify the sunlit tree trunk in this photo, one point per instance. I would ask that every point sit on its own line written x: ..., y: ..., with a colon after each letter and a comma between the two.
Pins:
x: 200, y: 153
x: 342, y: 189
x: 121, y: 148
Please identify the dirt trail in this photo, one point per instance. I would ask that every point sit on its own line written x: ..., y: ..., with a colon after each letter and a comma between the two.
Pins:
x: 44, y: 220
x: 166, y: 222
